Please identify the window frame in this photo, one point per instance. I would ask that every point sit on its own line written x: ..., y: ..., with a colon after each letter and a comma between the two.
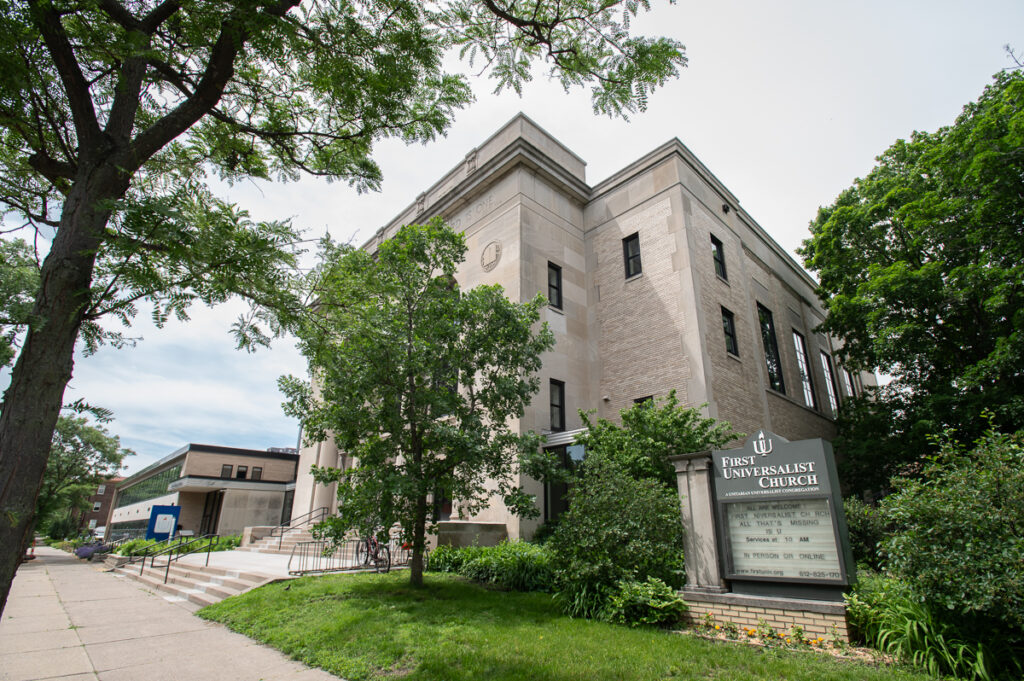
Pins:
x: 96, y: 505
x: 831, y: 387
x: 556, y: 408
x: 851, y: 387
x: 729, y: 331
x: 803, y: 365
x: 226, y: 470
x: 257, y: 473
x: 241, y: 473
x: 718, y: 257
x: 555, y: 300
x: 631, y: 260
x: 101, y: 490
x: 770, y: 341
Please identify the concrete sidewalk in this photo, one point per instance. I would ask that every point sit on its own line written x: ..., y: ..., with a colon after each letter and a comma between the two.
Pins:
x: 68, y: 619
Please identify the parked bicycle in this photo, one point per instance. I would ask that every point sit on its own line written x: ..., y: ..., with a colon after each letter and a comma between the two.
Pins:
x: 370, y: 551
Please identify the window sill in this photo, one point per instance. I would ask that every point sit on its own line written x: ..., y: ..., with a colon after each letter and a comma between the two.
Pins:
x: 556, y: 310
x: 733, y: 356
x: 636, y: 276
x: 722, y: 279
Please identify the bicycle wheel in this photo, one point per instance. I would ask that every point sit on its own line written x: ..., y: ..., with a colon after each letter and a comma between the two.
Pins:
x: 382, y: 561
x: 362, y: 553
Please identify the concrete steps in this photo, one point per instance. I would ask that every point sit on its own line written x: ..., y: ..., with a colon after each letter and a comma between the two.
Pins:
x: 279, y: 545
x: 202, y: 585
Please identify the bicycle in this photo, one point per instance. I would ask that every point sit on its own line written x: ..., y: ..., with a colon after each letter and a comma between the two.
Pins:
x: 369, y: 551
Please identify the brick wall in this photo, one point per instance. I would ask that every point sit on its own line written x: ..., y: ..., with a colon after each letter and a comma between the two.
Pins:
x: 747, y: 612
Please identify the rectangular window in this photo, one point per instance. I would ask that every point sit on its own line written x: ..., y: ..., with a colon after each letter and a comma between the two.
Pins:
x: 848, y: 380
x: 101, y: 490
x: 646, y: 401
x: 830, y: 383
x: 242, y: 470
x: 631, y: 254
x: 557, y: 391
x: 729, y: 327
x: 771, y: 349
x: 225, y: 470
x: 257, y: 473
x: 804, y: 365
x: 554, y: 286
x: 718, y: 255
x: 96, y: 506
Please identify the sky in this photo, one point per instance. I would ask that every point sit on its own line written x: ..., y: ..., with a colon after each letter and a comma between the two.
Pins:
x: 786, y: 102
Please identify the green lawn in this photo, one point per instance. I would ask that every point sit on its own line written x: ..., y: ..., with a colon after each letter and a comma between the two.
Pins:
x: 375, y: 626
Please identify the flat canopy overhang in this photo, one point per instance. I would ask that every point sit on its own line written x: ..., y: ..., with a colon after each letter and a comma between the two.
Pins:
x: 193, y: 483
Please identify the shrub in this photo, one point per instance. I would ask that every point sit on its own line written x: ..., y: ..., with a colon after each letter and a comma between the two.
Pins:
x: 650, y: 603
x: 617, y: 529
x: 868, y: 528
x: 958, y: 536
x: 451, y: 558
x: 518, y: 566
x: 135, y: 547
x: 88, y: 551
x: 545, y: 532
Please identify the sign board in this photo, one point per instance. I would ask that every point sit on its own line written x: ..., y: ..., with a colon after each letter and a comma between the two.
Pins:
x: 163, y: 522
x: 779, y: 513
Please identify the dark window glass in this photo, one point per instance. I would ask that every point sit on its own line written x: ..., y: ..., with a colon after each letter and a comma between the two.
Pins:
x: 631, y: 254
x: 554, y: 286
x: 729, y: 327
x: 647, y: 401
x: 225, y: 471
x: 242, y: 470
x: 556, y: 497
x: 257, y: 473
x: 830, y: 383
x: 150, y: 488
x: 804, y: 365
x: 771, y: 349
x: 718, y: 255
x: 557, y: 405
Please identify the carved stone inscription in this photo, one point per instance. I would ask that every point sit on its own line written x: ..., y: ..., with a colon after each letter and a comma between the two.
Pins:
x: 789, y: 539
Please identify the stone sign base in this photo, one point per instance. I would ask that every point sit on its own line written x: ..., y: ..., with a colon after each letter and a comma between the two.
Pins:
x: 817, y: 618
x: 466, y: 533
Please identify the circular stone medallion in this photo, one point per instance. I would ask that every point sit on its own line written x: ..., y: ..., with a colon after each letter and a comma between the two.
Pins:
x: 491, y: 255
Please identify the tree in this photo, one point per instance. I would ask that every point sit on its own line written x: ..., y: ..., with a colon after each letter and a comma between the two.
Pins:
x: 81, y: 456
x: 650, y: 433
x: 18, y: 282
x: 111, y: 112
x: 417, y: 380
x: 921, y: 265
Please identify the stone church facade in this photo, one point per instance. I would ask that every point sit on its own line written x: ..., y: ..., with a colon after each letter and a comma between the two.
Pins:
x: 657, y: 280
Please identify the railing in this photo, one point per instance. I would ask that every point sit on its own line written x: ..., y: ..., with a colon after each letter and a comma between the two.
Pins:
x: 318, y: 556
x: 311, y: 518
x: 155, y: 549
x: 182, y: 548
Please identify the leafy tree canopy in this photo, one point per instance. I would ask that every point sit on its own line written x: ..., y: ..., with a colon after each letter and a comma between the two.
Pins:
x: 650, y: 433
x: 19, y: 278
x: 921, y: 265
x: 112, y: 111
x: 418, y: 381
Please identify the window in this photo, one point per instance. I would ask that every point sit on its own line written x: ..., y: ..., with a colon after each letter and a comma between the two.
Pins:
x: 242, y: 470
x: 101, y: 490
x: 257, y: 473
x: 96, y: 505
x: 771, y: 349
x: 647, y: 401
x: 848, y: 380
x: 225, y: 471
x: 830, y: 383
x: 554, y: 286
x: 729, y: 327
x: 631, y: 254
x: 557, y: 405
x: 149, y: 488
x: 556, y: 494
x: 718, y: 255
x: 804, y: 365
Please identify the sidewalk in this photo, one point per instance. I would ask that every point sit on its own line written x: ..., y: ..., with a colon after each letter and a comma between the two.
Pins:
x: 68, y: 619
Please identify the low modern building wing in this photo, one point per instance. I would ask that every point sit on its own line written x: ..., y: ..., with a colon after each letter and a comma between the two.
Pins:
x: 657, y: 280
x: 221, y: 490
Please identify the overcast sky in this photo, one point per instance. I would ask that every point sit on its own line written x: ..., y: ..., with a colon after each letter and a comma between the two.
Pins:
x: 785, y: 102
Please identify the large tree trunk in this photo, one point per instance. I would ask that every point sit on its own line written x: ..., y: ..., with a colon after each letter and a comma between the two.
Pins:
x: 33, y: 400
x: 418, y: 542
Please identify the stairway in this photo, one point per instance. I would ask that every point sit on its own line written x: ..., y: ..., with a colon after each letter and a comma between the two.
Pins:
x: 202, y: 585
x: 287, y: 542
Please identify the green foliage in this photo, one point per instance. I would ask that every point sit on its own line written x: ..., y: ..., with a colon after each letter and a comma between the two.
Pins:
x: 137, y: 547
x: 650, y: 433
x: 617, y: 529
x: 417, y: 380
x: 518, y: 566
x: 867, y: 528
x: 920, y: 265
x: 62, y: 525
x: 19, y: 280
x: 451, y: 558
x: 648, y: 603
x: 890, y: 615
x: 958, y: 536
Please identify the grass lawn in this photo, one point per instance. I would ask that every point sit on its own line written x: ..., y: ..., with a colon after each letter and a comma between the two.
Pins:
x: 371, y: 626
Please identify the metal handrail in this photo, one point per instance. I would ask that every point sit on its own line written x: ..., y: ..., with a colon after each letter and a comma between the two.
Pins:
x: 180, y: 549
x: 152, y: 550
x: 314, y: 516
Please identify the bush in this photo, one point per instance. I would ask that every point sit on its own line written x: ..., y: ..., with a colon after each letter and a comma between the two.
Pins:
x: 135, y: 547
x: 517, y: 566
x: 887, y: 614
x: 958, y: 537
x: 451, y: 558
x: 868, y: 528
x: 651, y: 603
x: 89, y: 551
x: 617, y: 529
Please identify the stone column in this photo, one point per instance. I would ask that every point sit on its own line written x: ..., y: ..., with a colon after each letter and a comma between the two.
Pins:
x: 696, y: 501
